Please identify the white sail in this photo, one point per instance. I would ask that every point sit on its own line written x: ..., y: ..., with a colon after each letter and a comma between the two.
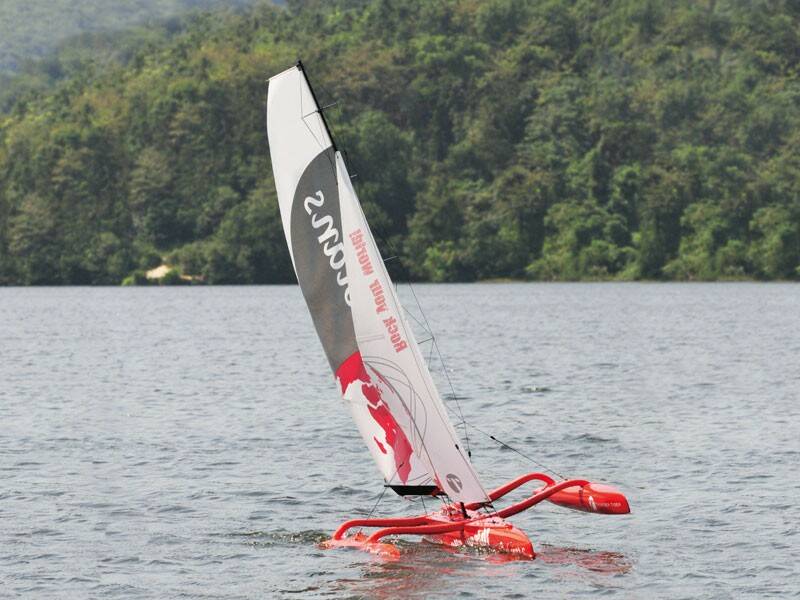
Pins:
x: 305, y: 177
x: 389, y: 350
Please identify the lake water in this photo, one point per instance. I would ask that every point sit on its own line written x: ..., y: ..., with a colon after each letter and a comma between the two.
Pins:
x: 191, y: 443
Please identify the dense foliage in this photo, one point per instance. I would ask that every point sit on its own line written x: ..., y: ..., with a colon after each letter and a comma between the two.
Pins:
x: 555, y: 139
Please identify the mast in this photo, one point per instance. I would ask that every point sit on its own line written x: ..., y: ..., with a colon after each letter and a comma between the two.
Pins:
x: 302, y: 69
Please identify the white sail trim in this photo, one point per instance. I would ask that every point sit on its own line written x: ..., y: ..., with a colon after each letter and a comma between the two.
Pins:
x: 388, y: 347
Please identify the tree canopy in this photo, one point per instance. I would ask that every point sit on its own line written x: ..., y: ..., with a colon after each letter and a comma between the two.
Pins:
x: 550, y: 140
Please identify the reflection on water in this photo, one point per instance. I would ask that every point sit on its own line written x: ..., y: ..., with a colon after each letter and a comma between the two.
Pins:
x: 611, y: 563
x: 425, y: 569
x: 421, y: 570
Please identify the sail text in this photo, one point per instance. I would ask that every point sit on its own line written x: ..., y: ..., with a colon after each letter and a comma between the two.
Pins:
x: 360, y: 246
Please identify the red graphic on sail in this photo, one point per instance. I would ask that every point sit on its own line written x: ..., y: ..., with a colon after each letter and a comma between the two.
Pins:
x: 353, y: 369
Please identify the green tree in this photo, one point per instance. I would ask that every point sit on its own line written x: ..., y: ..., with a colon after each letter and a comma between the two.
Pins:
x: 249, y: 246
x: 33, y: 242
x: 706, y: 229
x: 583, y: 240
x: 775, y: 249
x: 152, y: 197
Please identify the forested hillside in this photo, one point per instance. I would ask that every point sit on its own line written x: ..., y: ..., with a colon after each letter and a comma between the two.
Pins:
x: 552, y: 139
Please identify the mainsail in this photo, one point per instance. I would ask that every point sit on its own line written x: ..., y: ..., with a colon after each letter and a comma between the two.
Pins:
x: 357, y: 315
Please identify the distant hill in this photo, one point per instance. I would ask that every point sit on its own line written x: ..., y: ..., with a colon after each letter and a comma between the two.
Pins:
x: 29, y: 29
x: 547, y: 139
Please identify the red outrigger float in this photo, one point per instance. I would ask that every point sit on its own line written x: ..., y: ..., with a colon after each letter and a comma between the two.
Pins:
x: 467, y: 526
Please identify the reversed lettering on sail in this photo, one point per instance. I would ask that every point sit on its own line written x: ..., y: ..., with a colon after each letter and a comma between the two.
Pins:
x: 318, y: 252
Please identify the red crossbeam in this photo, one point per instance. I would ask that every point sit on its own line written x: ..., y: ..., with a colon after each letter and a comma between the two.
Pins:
x: 542, y: 495
x: 512, y: 485
x: 419, y: 529
x: 397, y: 522
x: 421, y: 525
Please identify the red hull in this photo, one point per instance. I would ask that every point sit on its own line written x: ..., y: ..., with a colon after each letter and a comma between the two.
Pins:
x: 482, y: 531
x: 457, y: 528
x: 593, y: 497
x: 447, y: 527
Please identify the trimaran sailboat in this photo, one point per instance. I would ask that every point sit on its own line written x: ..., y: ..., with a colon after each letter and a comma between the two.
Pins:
x: 379, y: 368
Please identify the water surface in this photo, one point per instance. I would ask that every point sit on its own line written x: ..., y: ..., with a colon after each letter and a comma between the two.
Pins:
x: 191, y: 443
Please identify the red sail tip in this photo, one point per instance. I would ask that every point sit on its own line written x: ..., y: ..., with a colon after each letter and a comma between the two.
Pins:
x: 593, y: 497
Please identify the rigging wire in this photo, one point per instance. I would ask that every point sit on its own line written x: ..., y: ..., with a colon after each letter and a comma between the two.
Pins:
x: 522, y: 454
x: 383, y: 492
x: 374, y: 506
x: 435, y: 346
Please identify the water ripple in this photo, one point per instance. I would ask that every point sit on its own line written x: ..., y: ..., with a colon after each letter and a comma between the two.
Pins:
x: 191, y: 443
